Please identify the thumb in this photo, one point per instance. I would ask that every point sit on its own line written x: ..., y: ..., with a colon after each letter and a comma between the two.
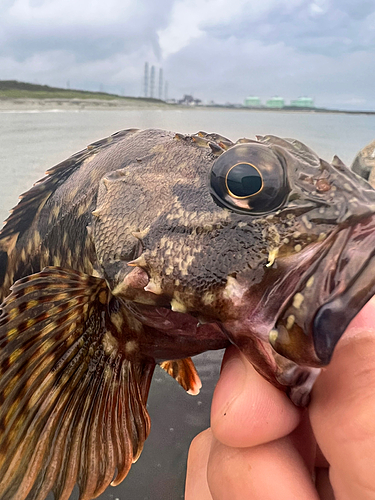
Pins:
x: 246, y: 409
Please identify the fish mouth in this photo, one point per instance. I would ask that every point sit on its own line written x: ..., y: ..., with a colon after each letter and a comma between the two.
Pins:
x: 328, y: 296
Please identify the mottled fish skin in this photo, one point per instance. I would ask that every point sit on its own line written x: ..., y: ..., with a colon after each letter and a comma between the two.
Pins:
x: 142, y: 250
x: 250, y: 270
x: 49, y: 226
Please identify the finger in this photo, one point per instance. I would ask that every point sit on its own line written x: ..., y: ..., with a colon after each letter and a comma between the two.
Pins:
x: 323, y: 484
x: 246, y: 409
x: 343, y: 410
x: 196, y: 487
x: 263, y: 472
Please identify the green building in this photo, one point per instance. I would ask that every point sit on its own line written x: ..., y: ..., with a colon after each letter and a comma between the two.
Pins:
x: 303, y: 102
x: 275, y: 102
x: 252, y: 101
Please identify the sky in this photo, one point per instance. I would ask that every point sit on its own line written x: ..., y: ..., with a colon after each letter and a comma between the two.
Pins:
x: 220, y: 50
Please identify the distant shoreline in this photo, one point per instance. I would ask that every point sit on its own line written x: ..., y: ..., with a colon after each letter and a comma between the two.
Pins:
x: 8, y: 104
x: 23, y: 96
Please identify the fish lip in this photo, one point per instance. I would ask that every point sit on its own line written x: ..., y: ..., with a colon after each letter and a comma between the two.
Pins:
x: 325, y: 333
x: 344, y: 280
x: 267, y: 300
x: 346, y: 304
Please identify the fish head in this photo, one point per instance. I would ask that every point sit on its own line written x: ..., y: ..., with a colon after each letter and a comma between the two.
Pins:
x: 263, y: 238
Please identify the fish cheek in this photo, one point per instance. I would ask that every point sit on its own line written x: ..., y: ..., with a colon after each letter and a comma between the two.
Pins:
x: 292, y: 336
x: 114, y: 225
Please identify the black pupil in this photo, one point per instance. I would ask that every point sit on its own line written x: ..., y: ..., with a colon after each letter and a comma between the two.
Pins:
x: 244, y: 180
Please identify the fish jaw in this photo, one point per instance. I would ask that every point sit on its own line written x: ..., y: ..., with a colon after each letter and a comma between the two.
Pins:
x: 301, y: 304
x: 312, y: 299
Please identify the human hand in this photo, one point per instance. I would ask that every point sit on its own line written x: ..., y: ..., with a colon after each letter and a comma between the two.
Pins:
x: 260, y: 446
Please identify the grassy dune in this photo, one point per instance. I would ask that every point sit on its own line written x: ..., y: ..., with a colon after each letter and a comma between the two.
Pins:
x: 12, y: 89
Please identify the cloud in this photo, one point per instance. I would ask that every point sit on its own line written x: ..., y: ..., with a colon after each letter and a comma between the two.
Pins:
x: 241, y: 67
x: 322, y: 48
x: 189, y: 18
x: 324, y: 27
x: 91, y: 30
x: 91, y: 43
x: 216, y: 49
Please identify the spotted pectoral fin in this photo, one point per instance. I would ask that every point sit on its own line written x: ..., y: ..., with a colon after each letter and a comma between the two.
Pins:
x: 73, y: 408
x: 184, y: 371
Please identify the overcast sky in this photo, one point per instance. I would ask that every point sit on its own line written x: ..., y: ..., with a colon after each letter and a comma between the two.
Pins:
x: 222, y: 50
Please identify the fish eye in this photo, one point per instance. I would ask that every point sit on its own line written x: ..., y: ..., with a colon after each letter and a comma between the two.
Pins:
x: 243, y: 180
x: 249, y: 178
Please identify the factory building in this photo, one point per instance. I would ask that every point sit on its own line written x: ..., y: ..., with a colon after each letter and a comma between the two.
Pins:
x: 252, y: 101
x: 303, y: 102
x: 275, y: 102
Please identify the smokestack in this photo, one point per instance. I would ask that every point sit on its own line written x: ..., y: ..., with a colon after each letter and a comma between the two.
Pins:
x: 166, y: 91
x: 152, y: 82
x: 145, y: 91
x: 161, y: 83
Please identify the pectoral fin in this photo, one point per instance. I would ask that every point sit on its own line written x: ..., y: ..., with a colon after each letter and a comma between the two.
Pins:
x: 73, y: 408
x: 184, y: 371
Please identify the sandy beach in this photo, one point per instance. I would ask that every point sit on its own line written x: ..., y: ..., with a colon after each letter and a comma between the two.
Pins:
x: 23, y: 104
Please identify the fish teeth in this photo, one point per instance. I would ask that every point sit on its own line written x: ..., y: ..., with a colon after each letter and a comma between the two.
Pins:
x: 140, y: 234
x: 153, y: 287
x: 139, y: 262
x: 178, y: 306
x: 96, y: 212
